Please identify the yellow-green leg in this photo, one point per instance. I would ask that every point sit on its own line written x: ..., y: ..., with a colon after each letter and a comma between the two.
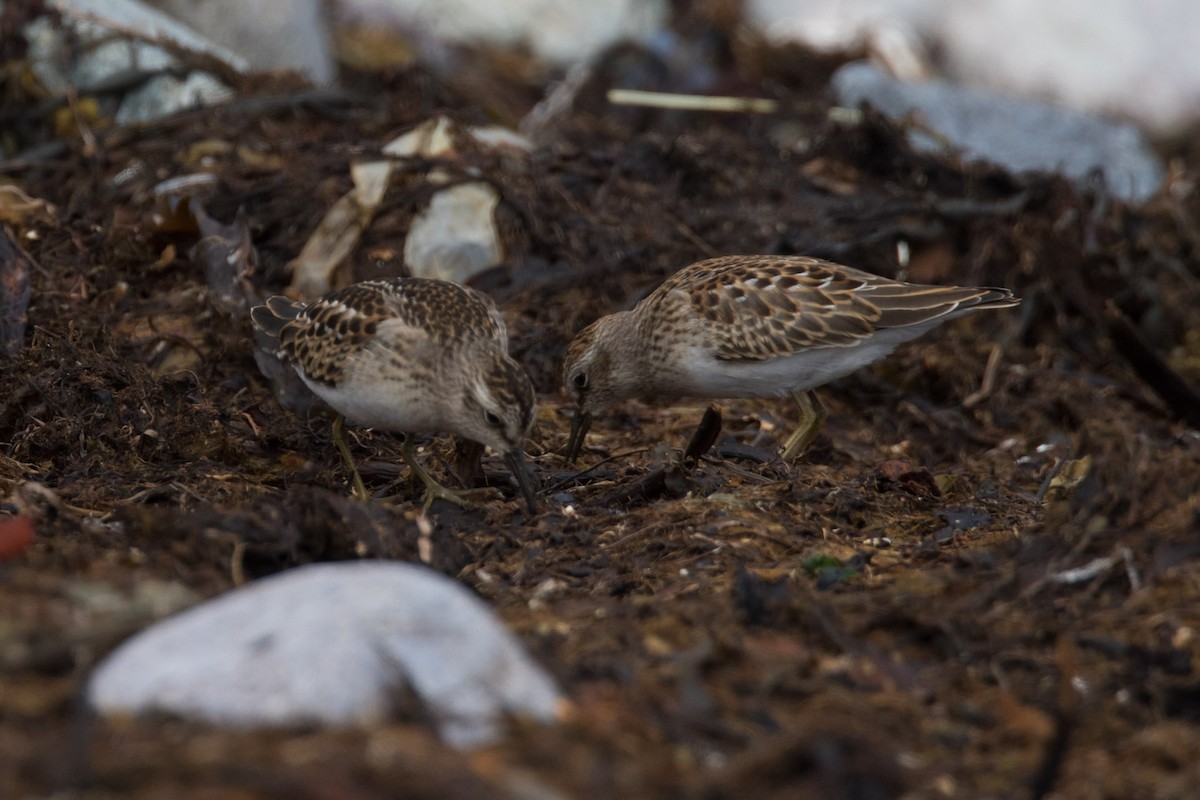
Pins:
x: 812, y: 417
x: 339, y: 439
x: 433, y: 489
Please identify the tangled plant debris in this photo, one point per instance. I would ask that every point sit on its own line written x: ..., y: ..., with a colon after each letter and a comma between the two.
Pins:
x: 979, y: 581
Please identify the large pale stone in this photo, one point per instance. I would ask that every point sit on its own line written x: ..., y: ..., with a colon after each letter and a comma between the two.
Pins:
x: 332, y: 644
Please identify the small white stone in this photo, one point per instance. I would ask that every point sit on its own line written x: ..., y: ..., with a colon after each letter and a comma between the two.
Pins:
x: 433, y: 138
x: 455, y: 238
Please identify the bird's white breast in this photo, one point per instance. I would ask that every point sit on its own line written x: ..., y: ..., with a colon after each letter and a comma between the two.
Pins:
x: 387, y: 399
x: 707, y: 376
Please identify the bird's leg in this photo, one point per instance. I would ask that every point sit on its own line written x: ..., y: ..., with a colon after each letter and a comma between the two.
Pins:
x: 433, y: 489
x: 703, y: 438
x: 812, y: 417
x: 339, y: 438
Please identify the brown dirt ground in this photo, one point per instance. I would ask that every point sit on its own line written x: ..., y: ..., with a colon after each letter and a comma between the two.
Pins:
x: 848, y: 626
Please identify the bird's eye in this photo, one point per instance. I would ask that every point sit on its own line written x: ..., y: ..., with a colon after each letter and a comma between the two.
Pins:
x: 492, y: 419
x: 579, y: 381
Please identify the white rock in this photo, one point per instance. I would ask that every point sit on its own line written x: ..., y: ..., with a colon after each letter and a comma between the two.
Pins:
x: 1125, y: 57
x: 886, y: 29
x: 1021, y: 135
x: 331, y: 644
x: 560, y: 31
x: 455, y: 237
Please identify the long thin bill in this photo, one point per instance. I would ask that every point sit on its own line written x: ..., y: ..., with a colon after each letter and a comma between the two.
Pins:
x: 525, y: 478
x: 579, y: 428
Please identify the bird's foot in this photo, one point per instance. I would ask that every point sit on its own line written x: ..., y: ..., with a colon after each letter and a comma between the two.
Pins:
x: 464, y: 498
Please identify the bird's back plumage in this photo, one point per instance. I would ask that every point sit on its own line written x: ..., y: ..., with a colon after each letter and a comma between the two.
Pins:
x: 320, y: 337
x: 765, y: 307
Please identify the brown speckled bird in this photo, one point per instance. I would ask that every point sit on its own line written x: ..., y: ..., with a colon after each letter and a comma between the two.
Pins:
x: 754, y: 326
x: 410, y: 355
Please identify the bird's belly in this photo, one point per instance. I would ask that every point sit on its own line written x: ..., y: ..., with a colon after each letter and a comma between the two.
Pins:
x: 387, y: 404
x: 807, y: 369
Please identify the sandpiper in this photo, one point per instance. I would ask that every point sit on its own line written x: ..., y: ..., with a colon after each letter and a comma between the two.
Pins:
x: 754, y: 326
x: 410, y: 355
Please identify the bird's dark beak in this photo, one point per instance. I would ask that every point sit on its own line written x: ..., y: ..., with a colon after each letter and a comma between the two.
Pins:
x: 525, y: 478
x: 579, y: 429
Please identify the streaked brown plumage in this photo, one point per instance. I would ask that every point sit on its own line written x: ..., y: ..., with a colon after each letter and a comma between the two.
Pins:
x: 754, y: 326
x: 411, y: 355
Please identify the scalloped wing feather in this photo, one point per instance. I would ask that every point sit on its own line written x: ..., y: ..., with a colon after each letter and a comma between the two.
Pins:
x: 319, y: 337
x: 763, y: 307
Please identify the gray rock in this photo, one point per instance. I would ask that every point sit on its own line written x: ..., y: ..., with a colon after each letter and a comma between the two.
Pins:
x: 331, y: 644
x: 165, y: 95
x: 94, y: 40
x: 267, y: 33
x: 1021, y: 135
